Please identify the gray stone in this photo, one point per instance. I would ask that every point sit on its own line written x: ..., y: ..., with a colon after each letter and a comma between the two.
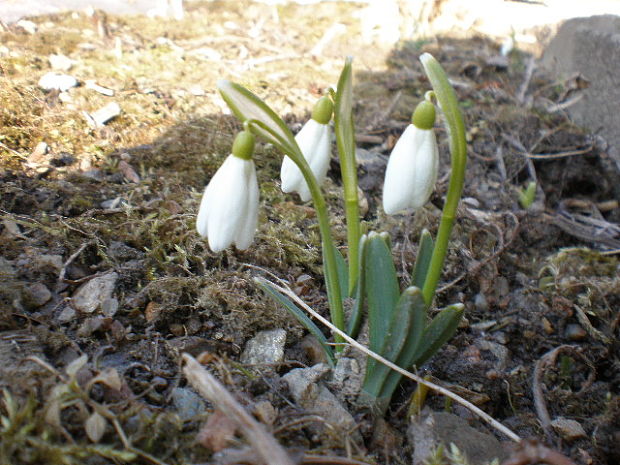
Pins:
x: 36, y: 294
x: 347, y: 378
x: 316, y: 399
x: 431, y: 429
x: 267, y: 347
x: 568, y: 429
x: 187, y: 403
x: 68, y: 314
x: 109, y: 307
x: 590, y: 47
x: 94, y: 292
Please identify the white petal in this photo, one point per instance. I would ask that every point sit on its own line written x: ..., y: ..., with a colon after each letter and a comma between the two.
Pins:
x: 315, y: 144
x: 249, y: 220
x: 412, y: 171
x: 224, y: 203
x: 290, y: 175
x: 319, y: 162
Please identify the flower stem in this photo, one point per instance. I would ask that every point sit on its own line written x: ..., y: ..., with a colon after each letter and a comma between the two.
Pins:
x: 334, y: 293
x: 458, y: 150
x: 345, y: 139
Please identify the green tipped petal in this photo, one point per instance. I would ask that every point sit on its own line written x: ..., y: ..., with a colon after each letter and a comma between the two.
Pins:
x: 243, y: 146
x: 322, y: 111
x: 424, y: 115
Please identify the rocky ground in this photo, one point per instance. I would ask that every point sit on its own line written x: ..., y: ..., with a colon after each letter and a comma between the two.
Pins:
x: 105, y: 282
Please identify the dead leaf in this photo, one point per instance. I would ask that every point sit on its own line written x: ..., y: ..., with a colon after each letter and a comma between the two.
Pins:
x: 95, y: 427
x: 217, y: 432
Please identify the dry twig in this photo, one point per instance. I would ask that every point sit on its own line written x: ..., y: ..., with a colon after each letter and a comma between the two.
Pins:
x: 537, y: 391
x: 265, y: 445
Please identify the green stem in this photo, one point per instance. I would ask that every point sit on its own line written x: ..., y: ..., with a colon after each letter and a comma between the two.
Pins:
x: 334, y: 293
x: 345, y: 139
x: 458, y: 150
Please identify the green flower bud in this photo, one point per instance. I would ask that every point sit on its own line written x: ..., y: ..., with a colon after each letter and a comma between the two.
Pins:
x: 322, y: 111
x: 424, y: 115
x: 243, y: 146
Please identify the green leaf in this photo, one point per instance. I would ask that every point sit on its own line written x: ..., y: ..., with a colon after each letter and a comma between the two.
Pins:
x: 528, y: 195
x: 355, y: 319
x: 301, y: 316
x: 381, y: 285
x: 423, y: 259
x: 439, y: 331
x: 423, y: 342
x: 343, y: 272
x: 249, y: 107
x: 409, y: 349
x: 410, y: 304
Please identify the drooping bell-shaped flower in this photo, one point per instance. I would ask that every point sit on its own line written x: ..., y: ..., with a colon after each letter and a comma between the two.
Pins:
x: 228, y: 211
x: 314, y: 140
x: 413, y: 164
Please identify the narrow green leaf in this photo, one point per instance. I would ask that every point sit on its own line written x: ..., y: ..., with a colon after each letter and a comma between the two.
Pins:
x: 381, y: 286
x: 359, y: 293
x: 247, y: 106
x: 343, y: 272
x: 396, y: 338
x: 411, y: 346
x: 439, y: 331
x: 423, y: 259
x: 268, y: 288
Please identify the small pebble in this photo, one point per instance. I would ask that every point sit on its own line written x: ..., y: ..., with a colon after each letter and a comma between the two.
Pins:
x: 568, y: 429
x: 55, y: 81
x: 100, y: 117
x: 94, y: 292
x: 109, y: 307
x: 187, y: 403
x: 67, y: 315
x: 575, y: 332
x: 60, y: 62
x: 28, y: 26
x: 480, y: 302
x: 92, y: 85
x: 267, y: 347
x: 37, y: 294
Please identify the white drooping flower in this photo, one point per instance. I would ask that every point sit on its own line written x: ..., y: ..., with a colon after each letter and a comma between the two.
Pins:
x: 413, y: 164
x: 314, y: 140
x: 228, y: 211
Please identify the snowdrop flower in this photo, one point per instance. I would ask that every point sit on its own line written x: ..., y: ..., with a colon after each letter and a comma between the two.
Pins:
x: 228, y: 211
x: 314, y: 140
x: 412, y: 167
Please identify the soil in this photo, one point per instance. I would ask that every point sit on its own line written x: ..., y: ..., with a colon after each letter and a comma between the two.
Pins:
x: 113, y: 208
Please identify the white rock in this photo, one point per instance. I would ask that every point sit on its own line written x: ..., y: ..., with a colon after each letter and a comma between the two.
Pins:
x: 267, y: 347
x: 92, y: 85
x: 94, y: 292
x: 60, y: 62
x: 27, y: 26
x: 100, y: 117
x: 55, y: 81
x: 315, y: 398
